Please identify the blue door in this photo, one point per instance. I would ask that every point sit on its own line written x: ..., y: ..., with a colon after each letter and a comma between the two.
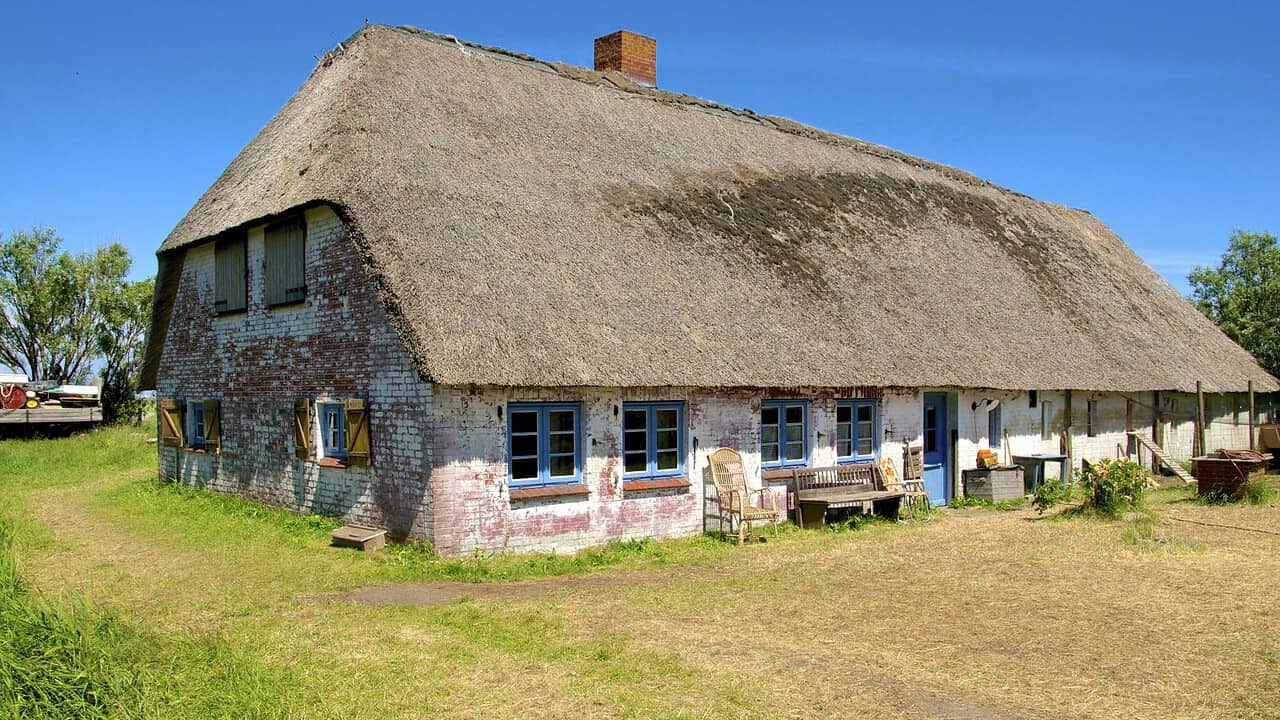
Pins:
x: 937, y: 449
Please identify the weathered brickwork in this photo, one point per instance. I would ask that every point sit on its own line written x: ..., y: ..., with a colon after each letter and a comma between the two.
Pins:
x: 335, y: 345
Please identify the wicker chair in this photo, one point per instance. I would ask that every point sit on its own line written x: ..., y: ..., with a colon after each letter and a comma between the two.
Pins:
x: 735, y: 497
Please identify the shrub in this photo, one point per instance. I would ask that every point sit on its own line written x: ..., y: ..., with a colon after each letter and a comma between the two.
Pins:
x: 1112, y: 487
x: 1048, y: 494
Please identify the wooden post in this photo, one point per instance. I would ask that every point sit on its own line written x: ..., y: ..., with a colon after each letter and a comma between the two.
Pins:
x: 1200, y: 449
x: 1157, y: 429
x: 1253, y: 409
x: 1130, y: 449
x: 1067, y: 432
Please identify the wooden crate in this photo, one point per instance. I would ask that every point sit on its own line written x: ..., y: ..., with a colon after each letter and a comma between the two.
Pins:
x: 994, y: 485
x: 1219, y: 476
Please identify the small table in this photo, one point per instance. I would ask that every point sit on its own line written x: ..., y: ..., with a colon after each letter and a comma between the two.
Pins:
x: 1033, y: 468
x: 813, y: 503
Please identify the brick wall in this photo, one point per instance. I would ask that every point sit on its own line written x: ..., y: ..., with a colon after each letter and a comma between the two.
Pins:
x: 337, y: 344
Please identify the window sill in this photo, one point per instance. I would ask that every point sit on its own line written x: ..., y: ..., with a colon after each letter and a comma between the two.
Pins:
x: 332, y: 463
x: 645, y: 484
x: 231, y: 313
x: 519, y: 494
x: 195, y: 450
x: 286, y: 304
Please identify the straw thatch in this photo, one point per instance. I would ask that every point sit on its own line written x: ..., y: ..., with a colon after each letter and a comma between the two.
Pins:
x: 537, y: 224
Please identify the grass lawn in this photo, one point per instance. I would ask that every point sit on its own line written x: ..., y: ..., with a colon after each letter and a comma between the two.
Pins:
x: 193, y: 605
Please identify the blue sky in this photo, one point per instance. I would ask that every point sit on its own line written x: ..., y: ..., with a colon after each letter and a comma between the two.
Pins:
x: 1159, y: 118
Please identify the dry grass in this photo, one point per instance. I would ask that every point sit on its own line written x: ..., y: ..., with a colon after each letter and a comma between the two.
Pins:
x: 977, y: 614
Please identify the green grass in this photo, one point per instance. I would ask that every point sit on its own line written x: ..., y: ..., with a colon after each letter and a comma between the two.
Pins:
x: 962, y: 503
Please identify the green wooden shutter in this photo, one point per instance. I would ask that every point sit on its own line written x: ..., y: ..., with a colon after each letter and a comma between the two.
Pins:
x: 357, y: 432
x: 229, y: 287
x: 212, y: 426
x: 285, y: 263
x: 302, y: 428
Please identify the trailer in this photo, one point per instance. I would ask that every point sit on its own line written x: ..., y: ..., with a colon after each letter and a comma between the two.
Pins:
x: 29, y: 409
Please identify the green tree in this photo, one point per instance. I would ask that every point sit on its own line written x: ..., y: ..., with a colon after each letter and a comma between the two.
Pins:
x: 1242, y: 295
x: 61, y: 314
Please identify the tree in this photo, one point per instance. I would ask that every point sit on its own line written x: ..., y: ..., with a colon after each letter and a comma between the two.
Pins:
x: 124, y: 316
x: 61, y: 313
x: 1242, y: 295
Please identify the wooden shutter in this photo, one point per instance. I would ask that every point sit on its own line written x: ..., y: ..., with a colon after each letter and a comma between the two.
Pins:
x: 212, y: 426
x: 285, y: 272
x: 229, y: 275
x: 171, y: 423
x: 357, y: 432
x: 302, y: 428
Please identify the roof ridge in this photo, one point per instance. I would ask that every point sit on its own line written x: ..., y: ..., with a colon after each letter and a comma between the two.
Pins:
x: 624, y: 84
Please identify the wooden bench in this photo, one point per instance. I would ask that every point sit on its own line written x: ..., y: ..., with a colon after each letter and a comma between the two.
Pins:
x: 817, y: 490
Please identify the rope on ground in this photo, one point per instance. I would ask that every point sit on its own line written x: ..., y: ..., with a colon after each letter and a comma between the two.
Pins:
x: 1220, y: 525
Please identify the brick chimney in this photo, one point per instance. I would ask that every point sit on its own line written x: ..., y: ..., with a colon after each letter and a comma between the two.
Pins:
x: 635, y: 56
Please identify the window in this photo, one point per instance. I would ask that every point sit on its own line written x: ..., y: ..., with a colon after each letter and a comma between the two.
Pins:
x: 784, y: 436
x: 995, y: 427
x: 1091, y: 418
x: 333, y: 429
x: 229, y: 294
x: 856, y: 430
x: 284, y: 245
x: 1046, y: 420
x: 543, y: 443
x: 653, y: 439
x: 195, y: 423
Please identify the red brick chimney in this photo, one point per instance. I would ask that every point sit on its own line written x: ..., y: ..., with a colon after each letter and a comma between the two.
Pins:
x: 635, y: 56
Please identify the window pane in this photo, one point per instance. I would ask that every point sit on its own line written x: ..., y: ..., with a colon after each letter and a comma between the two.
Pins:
x: 844, y: 431
x: 668, y: 440
x: 795, y: 414
x: 635, y: 440
x: 668, y: 460
x: 843, y: 413
x: 864, y: 429
x: 526, y: 445
x: 667, y: 419
x: 795, y: 433
x: 769, y: 452
x: 769, y: 434
x: 634, y: 419
x: 844, y: 448
x: 637, y: 462
x: 864, y: 445
x: 526, y: 469
x: 768, y: 416
x: 795, y: 451
x: 562, y: 466
x: 864, y: 413
x: 561, y: 420
x: 524, y: 421
x: 562, y: 442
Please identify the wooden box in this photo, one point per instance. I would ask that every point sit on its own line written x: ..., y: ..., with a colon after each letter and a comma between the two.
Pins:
x: 1220, y: 476
x: 994, y: 485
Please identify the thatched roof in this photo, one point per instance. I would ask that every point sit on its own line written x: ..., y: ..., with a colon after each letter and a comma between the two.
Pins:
x: 529, y: 223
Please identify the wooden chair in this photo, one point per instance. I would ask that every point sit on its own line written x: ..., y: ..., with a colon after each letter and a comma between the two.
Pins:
x: 912, y: 482
x: 735, y: 497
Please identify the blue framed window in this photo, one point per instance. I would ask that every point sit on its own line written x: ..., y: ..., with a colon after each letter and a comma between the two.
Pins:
x: 197, y: 432
x: 856, y: 430
x: 333, y: 429
x: 544, y: 443
x: 995, y: 427
x: 653, y: 439
x: 784, y: 433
